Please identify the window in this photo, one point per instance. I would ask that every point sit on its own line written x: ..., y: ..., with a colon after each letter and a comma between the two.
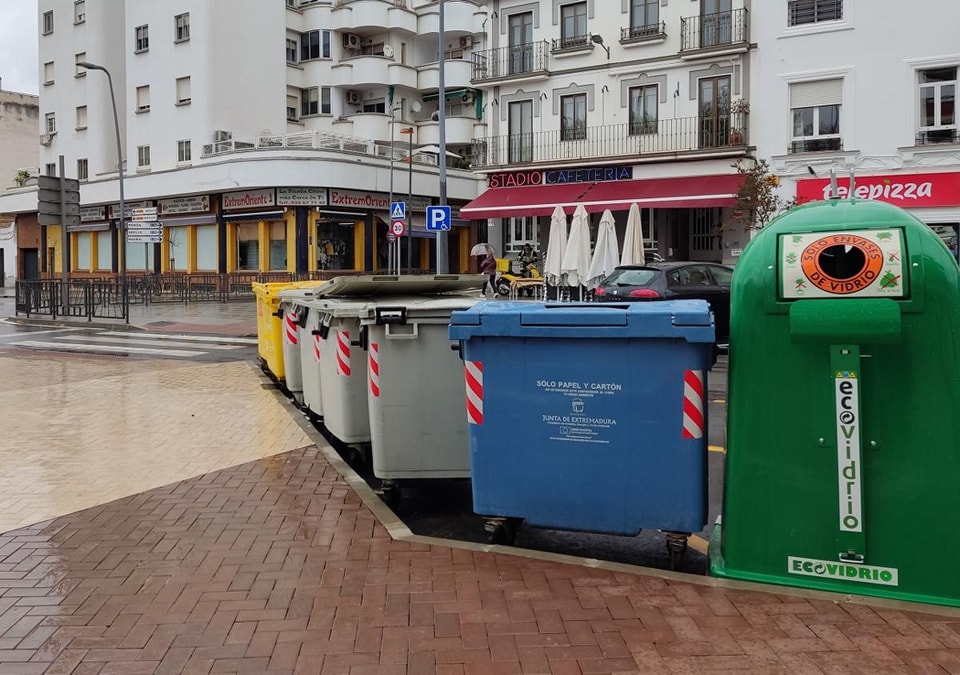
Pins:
x: 520, y: 42
x: 714, y: 112
x: 520, y: 231
x: 315, y: 44
x: 143, y: 98
x: 143, y: 156
x: 104, y: 250
x: 248, y: 247
x: 79, y: 71
x: 573, y: 25
x: 309, y: 101
x: 573, y: 117
x: 181, y: 27
x: 50, y: 123
x: 520, y: 130
x: 142, y: 38
x: 50, y: 169
x: 79, y: 11
x: 48, y: 73
x: 83, y: 250
x: 292, y: 49
x: 324, y: 100
x: 938, y: 106
x: 292, y: 4
x: 183, y: 90
x: 644, y: 104
x: 177, y: 240
x: 183, y: 151
x: 802, y: 12
x: 48, y: 22
x: 207, y: 248
x: 815, y: 110
x: 278, y: 244
x: 82, y: 169
x: 81, y: 117
x: 644, y: 17
x: 375, y: 106
x: 293, y: 108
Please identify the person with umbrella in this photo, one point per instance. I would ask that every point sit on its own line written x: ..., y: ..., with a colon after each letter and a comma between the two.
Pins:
x: 489, y: 267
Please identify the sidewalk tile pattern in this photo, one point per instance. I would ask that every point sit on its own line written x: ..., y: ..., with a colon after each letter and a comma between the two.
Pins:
x: 78, y: 432
x: 276, y: 566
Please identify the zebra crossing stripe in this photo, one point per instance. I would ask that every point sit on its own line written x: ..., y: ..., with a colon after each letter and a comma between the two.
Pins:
x: 473, y: 373
x: 693, y: 421
x: 374, y: 369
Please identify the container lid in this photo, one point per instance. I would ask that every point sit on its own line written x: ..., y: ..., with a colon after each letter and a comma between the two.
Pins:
x: 380, y: 285
x: 399, y: 309
x: 690, y: 320
x: 294, y: 296
x: 337, y: 306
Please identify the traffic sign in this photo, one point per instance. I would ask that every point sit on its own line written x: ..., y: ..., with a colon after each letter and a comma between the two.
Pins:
x: 398, y: 228
x: 148, y: 228
x: 398, y: 210
x: 438, y: 218
x: 134, y: 238
x: 49, y: 191
x: 144, y: 211
x: 391, y: 237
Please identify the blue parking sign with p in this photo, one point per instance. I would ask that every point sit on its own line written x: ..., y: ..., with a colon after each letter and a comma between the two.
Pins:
x: 438, y: 218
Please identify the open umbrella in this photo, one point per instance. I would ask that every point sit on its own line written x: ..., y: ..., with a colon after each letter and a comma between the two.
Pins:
x: 556, y: 245
x: 576, y: 259
x: 633, y: 239
x: 606, y: 256
x: 482, y: 249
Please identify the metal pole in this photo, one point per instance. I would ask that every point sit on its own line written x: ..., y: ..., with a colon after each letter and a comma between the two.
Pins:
x: 443, y: 261
x: 391, y: 254
x: 64, y: 242
x: 410, y: 197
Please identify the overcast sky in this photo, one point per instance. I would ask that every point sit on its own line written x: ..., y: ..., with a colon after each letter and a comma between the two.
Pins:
x: 18, y: 46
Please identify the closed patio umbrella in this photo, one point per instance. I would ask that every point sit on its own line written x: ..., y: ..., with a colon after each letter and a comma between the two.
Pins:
x: 633, y: 239
x: 556, y: 245
x: 576, y: 259
x: 606, y: 255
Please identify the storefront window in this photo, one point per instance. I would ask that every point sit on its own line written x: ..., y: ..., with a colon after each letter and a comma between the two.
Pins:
x: 522, y: 231
x: 83, y: 251
x: 177, y: 236
x: 207, y: 247
x: 334, y: 245
x: 248, y: 247
x: 139, y: 260
x: 278, y: 245
x: 104, y: 251
x: 948, y: 232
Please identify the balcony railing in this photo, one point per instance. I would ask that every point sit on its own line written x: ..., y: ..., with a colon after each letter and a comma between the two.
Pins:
x: 640, y: 33
x: 816, y: 145
x: 709, y: 31
x: 523, y: 60
x: 571, y: 43
x: 936, y: 136
x: 633, y: 139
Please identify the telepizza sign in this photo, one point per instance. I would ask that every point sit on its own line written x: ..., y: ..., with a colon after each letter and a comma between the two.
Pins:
x: 904, y: 190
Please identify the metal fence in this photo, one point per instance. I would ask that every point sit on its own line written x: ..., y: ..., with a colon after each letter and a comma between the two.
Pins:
x: 82, y: 298
x: 512, y: 61
x: 713, y: 30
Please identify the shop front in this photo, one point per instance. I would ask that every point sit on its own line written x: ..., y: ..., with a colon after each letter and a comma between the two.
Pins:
x: 934, y: 198
x: 191, y: 236
x: 682, y: 216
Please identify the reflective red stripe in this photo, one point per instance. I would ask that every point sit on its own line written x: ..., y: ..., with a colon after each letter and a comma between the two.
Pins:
x: 375, y: 369
x: 473, y: 374
x: 343, y: 353
x: 290, y: 328
x: 693, y: 418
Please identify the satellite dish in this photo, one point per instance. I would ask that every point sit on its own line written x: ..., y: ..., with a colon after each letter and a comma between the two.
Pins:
x: 415, y: 106
x: 388, y: 51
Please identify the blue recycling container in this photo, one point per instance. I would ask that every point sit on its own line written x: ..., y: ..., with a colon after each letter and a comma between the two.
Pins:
x: 588, y: 417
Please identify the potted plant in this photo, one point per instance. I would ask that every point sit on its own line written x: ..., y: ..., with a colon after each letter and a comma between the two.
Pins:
x: 21, y: 177
x: 739, y: 110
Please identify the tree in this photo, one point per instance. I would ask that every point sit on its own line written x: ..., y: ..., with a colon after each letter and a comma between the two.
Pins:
x: 757, y: 201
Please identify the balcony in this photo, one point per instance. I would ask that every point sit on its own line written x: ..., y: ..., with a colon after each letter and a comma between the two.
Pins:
x: 634, y: 34
x: 571, y: 44
x: 710, y: 33
x: 460, y: 131
x: 361, y: 71
x: 459, y: 16
x: 456, y: 75
x: 353, y: 15
x: 653, y: 139
x: 520, y: 62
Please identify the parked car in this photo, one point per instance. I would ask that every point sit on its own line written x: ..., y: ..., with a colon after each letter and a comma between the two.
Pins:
x: 673, y: 281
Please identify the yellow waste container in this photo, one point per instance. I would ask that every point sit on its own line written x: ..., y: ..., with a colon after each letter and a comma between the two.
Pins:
x: 269, y: 325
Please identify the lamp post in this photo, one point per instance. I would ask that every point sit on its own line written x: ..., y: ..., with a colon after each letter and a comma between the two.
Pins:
x: 408, y: 131
x: 122, y: 235
x: 443, y: 262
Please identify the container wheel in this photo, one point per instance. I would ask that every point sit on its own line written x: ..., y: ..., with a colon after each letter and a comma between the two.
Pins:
x: 503, y: 287
x: 502, y: 531
x: 676, y: 544
x: 389, y: 492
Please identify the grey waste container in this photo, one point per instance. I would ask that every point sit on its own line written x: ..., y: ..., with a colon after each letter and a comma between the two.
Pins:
x: 293, y: 318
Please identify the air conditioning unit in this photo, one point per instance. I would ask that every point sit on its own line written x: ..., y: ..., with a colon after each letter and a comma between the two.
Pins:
x: 468, y: 97
x: 466, y: 41
x: 219, y: 136
x: 353, y: 97
x: 46, y: 139
x: 351, y: 41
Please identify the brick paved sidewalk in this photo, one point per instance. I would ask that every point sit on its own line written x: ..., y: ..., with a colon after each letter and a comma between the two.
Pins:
x: 278, y: 566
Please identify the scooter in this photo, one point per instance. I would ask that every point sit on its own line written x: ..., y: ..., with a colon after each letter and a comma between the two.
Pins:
x: 506, y: 279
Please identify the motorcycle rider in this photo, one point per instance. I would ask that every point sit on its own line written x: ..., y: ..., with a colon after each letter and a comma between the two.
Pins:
x: 527, y: 258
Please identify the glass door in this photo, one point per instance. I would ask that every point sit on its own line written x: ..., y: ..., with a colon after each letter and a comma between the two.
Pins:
x: 520, y: 122
x: 714, y: 112
x: 716, y: 22
x: 521, y: 42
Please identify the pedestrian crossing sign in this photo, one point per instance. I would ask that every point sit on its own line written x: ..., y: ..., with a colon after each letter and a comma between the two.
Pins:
x: 398, y: 211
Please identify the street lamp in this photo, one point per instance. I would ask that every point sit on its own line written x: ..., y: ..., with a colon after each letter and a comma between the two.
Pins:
x: 116, y: 126
x: 408, y: 131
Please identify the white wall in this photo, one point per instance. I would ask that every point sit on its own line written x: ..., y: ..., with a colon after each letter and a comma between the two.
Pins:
x: 19, y: 122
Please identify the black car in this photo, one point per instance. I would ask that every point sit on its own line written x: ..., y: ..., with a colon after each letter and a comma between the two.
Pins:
x: 673, y: 281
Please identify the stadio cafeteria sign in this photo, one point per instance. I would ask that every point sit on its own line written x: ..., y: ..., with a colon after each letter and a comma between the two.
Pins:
x: 589, y: 174
x: 904, y: 190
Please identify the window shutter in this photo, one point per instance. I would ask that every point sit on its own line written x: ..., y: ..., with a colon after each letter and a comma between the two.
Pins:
x: 813, y: 94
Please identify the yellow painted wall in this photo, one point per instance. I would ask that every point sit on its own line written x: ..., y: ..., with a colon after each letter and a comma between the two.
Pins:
x: 263, y: 232
x: 231, y: 247
x: 291, y: 218
x: 191, y: 248
x: 53, y: 241
x: 358, y: 241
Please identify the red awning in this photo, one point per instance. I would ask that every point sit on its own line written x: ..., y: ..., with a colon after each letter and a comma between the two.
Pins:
x: 538, y: 200
x: 662, y: 193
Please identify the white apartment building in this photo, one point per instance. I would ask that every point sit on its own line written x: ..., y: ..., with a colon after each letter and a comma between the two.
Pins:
x: 859, y: 85
x: 611, y: 102
x: 260, y: 130
x: 18, y: 161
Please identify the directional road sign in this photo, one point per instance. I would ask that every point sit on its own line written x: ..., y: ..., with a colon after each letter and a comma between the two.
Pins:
x: 133, y: 238
x: 398, y: 228
x: 391, y: 237
x: 398, y: 210
x: 145, y: 228
x: 438, y: 218
x: 48, y: 200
